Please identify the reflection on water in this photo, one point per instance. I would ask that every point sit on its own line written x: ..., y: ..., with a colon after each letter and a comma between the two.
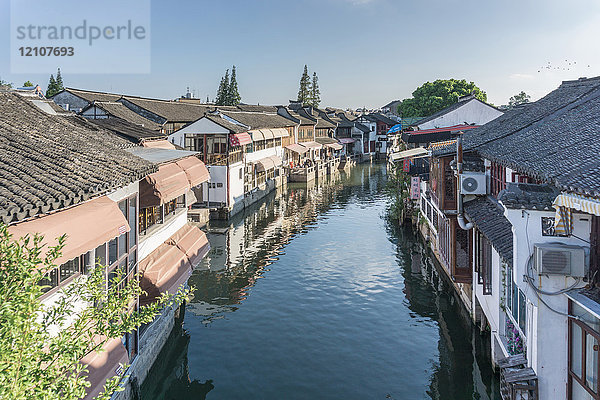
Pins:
x: 313, y: 294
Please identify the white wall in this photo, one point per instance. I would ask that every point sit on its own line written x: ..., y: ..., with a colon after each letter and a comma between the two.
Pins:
x: 200, y: 126
x: 546, y: 330
x: 218, y: 174
x: 472, y: 112
x: 236, y: 184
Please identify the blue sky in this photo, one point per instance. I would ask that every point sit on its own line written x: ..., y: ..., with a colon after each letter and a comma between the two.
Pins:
x: 365, y: 52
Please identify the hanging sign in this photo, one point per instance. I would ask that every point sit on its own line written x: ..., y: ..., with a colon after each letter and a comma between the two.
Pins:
x: 415, y: 188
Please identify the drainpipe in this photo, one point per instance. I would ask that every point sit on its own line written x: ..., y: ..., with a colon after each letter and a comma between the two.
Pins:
x: 459, y: 197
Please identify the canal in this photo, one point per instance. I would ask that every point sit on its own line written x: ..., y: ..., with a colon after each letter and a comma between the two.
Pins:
x: 314, y: 294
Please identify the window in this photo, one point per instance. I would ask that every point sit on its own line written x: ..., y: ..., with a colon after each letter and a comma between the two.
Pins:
x: 449, y: 183
x: 194, y: 143
x: 498, y: 178
x: 61, y: 275
x: 515, y: 301
x: 150, y: 216
x: 583, y: 364
x: 483, y: 262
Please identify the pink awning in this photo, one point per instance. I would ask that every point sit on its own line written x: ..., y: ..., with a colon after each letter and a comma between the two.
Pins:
x: 312, y: 145
x: 87, y: 226
x: 193, y: 242
x: 195, y: 170
x: 346, y: 140
x: 296, y: 148
x: 170, y: 265
x: 239, y: 139
x: 163, y: 186
x: 104, y: 365
x: 158, y: 144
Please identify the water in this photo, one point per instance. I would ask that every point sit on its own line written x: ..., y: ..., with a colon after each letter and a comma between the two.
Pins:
x: 313, y: 294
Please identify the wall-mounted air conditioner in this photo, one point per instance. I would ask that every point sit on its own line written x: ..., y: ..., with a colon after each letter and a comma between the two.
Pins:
x: 560, y: 259
x: 473, y: 183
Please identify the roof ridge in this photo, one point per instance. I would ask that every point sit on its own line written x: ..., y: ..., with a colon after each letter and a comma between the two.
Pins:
x: 557, y: 113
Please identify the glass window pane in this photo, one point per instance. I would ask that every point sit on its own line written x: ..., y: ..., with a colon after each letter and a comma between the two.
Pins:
x: 112, y: 276
x: 101, y: 255
x: 132, y: 221
x: 69, y: 269
x: 576, y: 349
x: 132, y: 261
x: 112, y: 251
x: 579, y: 393
x: 123, y: 207
x: 50, y: 281
x: 122, y: 245
x: 591, y: 362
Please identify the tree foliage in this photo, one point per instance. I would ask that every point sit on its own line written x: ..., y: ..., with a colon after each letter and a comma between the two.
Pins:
x: 517, y: 99
x: 28, y: 84
x: 55, y: 85
x: 4, y: 84
x: 41, y: 345
x: 228, y: 93
x: 432, y: 97
x: 304, y: 92
x: 315, y: 92
x: 233, y: 94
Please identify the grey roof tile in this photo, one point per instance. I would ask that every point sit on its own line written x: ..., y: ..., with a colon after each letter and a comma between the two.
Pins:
x: 49, y: 162
x: 488, y: 217
x: 528, y: 196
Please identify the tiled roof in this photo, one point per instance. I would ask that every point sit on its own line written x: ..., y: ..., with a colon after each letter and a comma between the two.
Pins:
x: 120, y: 111
x: 304, y: 118
x: 90, y: 95
x: 132, y: 132
x: 375, y: 117
x: 488, y: 217
x: 257, y: 108
x: 234, y: 128
x: 554, y: 139
x: 50, y: 162
x: 528, y: 196
x: 172, y: 111
x: 442, y: 148
x: 258, y: 120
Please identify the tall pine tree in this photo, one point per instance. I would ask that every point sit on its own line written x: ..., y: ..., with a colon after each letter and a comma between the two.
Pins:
x: 315, y: 93
x: 59, y: 82
x: 55, y: 85
x: 233, y: 95
x: 51, y: 91
x: 304, y: 91
x: 223, y: 91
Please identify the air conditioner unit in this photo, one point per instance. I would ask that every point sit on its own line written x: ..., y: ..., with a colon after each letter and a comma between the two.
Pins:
x: 560, y: 259
x: 473, y: 183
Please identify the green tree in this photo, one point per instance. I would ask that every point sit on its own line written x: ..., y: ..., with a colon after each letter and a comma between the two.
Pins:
x: 315, y: 93
x: 517, y: 99
x: 304, y: 91
x: 5, y: 84
x: 52, y: 87
x: 41, y: 345
x: 59, y: 82
x: 233, y: 95
x: 432, y: 97
x: 28, y: 84
x: 223, y: 91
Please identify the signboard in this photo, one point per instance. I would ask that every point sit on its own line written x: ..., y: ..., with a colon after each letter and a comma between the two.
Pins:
x: 415, y: 188
x: 406, y: 165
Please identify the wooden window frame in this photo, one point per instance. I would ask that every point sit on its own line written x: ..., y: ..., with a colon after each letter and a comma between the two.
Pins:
x: 571, y: 376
